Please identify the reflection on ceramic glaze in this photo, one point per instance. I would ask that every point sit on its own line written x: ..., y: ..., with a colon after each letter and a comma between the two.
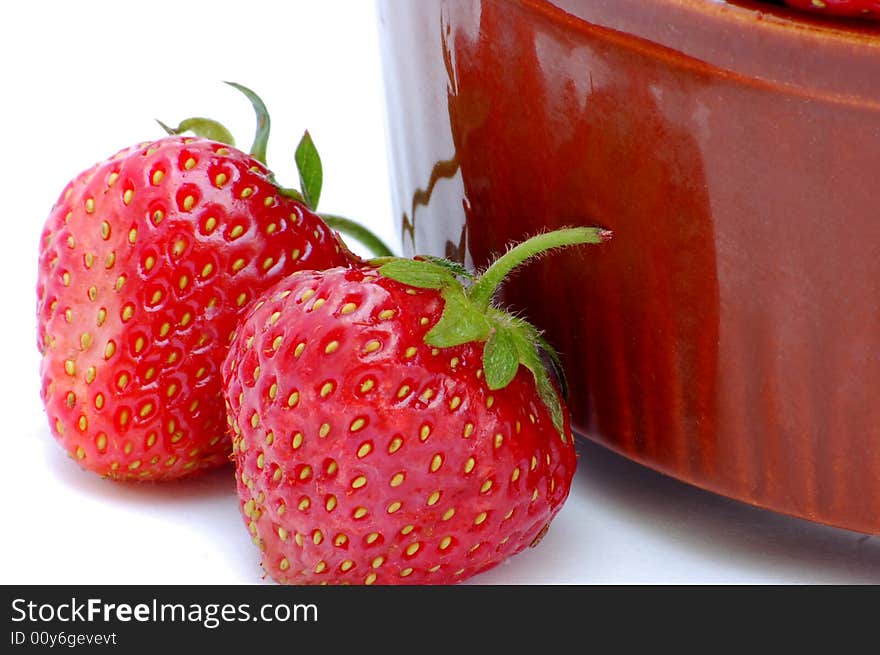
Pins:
x: 443, y: 169
x: 424, y: 172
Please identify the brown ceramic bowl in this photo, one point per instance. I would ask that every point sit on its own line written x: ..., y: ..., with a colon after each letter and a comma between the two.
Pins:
x: 729, y: 335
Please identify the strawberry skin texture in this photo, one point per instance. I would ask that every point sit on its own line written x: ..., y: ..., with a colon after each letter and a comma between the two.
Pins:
x: 851, y: 8
x: 146, y: 263
x: 365, y: 456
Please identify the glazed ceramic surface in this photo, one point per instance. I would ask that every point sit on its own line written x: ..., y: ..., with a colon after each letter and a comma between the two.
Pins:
x: 729, y: 334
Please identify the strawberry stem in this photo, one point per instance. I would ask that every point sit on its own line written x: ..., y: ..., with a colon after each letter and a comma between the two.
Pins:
x: 358, y: 232
x: 484, y: 289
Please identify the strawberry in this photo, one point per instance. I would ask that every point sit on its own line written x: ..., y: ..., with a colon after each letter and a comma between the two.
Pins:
x: 392, y: 426
x: 147, y: 261
x: 852, y: 8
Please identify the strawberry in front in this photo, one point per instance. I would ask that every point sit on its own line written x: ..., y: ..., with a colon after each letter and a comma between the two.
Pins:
x: 392, y: 425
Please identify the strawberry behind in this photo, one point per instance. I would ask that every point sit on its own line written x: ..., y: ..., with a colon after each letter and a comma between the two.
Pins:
x: 146, y: 262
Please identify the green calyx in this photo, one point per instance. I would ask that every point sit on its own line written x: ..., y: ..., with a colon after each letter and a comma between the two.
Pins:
x: 469, y: 315
x: 264, y: 124
x: 208, y: 128
x: 308, y: 165
x: 203, y: 127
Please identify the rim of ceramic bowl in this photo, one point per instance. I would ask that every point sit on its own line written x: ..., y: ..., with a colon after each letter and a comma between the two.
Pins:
x: 792, y: 51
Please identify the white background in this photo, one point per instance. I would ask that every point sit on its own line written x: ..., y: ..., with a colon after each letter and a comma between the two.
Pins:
x: 81, y: 80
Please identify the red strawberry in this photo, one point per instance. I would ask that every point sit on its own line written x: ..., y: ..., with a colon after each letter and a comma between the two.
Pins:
x: 147, y: 261
x: 392, y: 426
x: 853, y: 8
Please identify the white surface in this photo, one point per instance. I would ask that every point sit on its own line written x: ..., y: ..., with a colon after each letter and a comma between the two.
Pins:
x: 82, y: 80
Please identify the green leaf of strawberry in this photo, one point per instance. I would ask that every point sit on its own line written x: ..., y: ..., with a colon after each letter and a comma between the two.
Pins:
x: 419, y: 274
x: 311, y: 175
x: 453, y: 267
x: 459, y: 323
x: 261, y: 137
x: 203, y: 127
x: 501, y: 358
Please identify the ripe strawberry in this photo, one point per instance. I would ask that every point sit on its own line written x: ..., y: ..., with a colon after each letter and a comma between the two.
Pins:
x: 392, y: 426
x: 852, y: 8
x: 147, y: 261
